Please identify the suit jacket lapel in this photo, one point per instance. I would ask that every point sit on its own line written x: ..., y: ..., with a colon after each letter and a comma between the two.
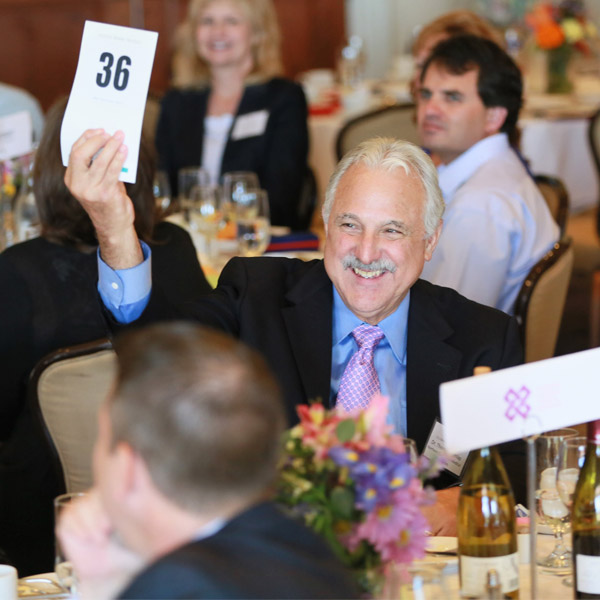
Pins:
x: 252, y: 99
x: 430, y: 362
x: 308, y: 321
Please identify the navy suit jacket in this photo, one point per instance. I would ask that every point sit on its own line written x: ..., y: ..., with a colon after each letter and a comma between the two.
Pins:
x: 283, y: 308
x: 261, y: 553
x: 278, y: 155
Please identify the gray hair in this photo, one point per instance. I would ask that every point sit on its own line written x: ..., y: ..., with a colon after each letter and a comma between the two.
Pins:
x: 389, y: 154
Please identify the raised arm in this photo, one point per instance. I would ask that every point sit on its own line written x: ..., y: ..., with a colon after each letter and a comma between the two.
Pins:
x: 92, y: 177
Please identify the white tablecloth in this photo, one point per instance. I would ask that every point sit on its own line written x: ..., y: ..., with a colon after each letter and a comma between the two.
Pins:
x: 550, y: 586
x: 561, y: 148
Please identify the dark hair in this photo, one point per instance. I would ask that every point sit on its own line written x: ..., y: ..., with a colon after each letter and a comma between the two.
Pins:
x: 499, y: 80
x: 63, y: 219
x: 201, y: 409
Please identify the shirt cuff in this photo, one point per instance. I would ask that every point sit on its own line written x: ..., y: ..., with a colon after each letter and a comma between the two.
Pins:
x: 126, y: 292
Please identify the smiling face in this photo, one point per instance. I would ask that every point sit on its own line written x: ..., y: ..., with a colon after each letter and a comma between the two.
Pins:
x: 376, y: 244
x: 224, y: 35
x: 451, y: 116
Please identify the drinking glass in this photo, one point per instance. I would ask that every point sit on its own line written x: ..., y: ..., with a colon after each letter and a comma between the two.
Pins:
x: 550, y: 508
x: 62, y: 566
x: 570, y: 460
x: 410, y: 446
x: 162, y: 192
x: 235, y: 185
x: 205, y: 214
x: 424, y: 582
x: 188, y: 178
x: 253, y: 223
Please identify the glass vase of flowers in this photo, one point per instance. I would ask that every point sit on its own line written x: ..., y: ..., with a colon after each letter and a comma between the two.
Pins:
x: 352, y: 481
x: 560, y: 29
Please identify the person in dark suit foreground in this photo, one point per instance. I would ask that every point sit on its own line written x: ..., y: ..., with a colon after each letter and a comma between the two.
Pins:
x: 187, y: 448
x: 382, y: 219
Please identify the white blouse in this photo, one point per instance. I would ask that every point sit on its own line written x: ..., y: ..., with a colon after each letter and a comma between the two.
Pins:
x: 216, y: 131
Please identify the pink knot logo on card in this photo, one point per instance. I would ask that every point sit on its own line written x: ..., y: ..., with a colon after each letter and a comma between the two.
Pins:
x: 517, y: 403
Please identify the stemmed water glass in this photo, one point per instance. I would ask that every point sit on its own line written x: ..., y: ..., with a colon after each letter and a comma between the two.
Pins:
x: 63, y: 568
x: 253, y: 222
x: 187, y: 179
x: 551, y: 510
x: 205, y: 213
x: 162, y: 192
x: 410, y: 447
x: 570, y: 460
x: 235, y: 185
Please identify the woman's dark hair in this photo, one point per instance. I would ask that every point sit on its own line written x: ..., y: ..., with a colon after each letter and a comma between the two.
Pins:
x: 62, y: 218
x: 499, y: 80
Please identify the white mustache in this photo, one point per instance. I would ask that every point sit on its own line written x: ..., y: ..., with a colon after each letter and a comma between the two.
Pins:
x: 381, y: 264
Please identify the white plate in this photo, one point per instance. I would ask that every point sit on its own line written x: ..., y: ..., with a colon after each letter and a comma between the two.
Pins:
x: 442, y: 544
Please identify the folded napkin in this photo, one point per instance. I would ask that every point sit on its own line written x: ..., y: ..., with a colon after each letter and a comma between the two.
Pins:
x: 294, y: 242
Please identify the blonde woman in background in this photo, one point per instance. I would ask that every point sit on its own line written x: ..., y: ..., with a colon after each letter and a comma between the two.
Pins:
x: 230, y: 110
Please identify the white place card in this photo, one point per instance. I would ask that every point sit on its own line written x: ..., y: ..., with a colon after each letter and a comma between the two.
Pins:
x: 16, y: 135
x: 512, y: 403
x: 110, y: 88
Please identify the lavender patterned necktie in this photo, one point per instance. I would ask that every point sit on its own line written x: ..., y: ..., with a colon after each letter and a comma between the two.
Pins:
x: 359, y: 382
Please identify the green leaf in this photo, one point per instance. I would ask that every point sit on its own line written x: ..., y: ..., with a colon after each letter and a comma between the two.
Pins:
x: 345, y: 430
x: 342, y: 502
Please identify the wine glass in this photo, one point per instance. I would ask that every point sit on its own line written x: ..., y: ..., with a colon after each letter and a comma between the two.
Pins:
x: 410, y: 447
x: 188, y: 178
x: 63, y: 568
x: 570, y: 460
x: 162, y: 192
x: 205, y: 214
x: 253, y: 223
x: 551, y: 510
x: 235, y: 185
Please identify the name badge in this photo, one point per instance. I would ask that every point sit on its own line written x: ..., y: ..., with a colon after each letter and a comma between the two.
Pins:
x: 436, y: 446
x: 16, y: 134
x: 250, y: 125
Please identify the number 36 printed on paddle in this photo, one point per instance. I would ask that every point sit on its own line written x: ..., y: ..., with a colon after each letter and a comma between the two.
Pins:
x: 114, y: 72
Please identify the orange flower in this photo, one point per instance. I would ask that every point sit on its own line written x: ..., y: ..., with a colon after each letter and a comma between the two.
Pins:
x: 549, y: 36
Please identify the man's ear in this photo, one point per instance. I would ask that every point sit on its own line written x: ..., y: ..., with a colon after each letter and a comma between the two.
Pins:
x: 494, y: 119
x: 121, y: 470
x: 432, y: 241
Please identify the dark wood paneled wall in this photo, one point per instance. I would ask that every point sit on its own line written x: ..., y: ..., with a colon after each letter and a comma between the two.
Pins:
x: 40, y: 39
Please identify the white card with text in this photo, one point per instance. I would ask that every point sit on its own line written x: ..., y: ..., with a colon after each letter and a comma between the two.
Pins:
x: 512, y: 403
x: 16, y: 135
x: 110, y: 88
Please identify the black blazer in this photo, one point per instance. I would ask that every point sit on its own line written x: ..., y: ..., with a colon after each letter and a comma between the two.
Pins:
x: 278, y: 156
x: 260, y: 553
x: 283, y: 308
x: 49, y: 301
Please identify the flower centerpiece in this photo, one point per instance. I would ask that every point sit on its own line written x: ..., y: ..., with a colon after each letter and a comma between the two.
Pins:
x: 560, y: 29
x: 354, y: 483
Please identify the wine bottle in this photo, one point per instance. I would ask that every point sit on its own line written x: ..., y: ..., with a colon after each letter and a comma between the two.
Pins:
x: 486, y: 523
x: 585, y: 522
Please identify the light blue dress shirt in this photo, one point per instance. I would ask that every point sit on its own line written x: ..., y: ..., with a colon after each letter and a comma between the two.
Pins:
x: 497, y: 225
x: 389, y: 358
x: 126, y: 292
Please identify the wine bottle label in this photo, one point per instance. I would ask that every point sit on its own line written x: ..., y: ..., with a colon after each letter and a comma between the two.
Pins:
x: 474, y: 570
x: 588, y: 568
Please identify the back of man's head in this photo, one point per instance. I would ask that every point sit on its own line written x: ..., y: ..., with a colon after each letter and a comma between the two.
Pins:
x: 499, y: 80
x: 203, y: 412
